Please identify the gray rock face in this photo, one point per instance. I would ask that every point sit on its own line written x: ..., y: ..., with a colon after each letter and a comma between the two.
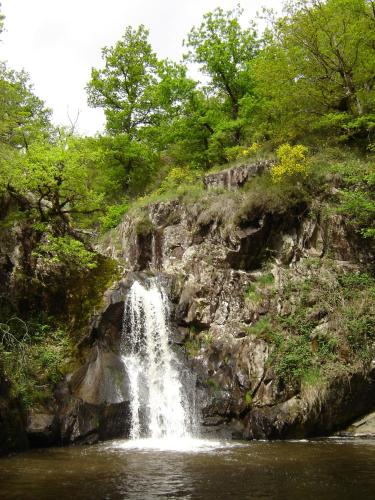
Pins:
x: 364, y: 427
x: 42, y: 429
x: 85, y: 423
x: 236, y: 176
x: 94, y: 401
x: 212, y: 275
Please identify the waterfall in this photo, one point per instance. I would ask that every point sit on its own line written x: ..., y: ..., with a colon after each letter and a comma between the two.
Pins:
x: 161, y: 404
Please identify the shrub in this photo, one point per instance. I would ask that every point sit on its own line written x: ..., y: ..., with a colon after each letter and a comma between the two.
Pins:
x: 239, y: 152
x: 357, y: 194
x: 252, y: 294
x: 67, y: 251
x: 262, y: 328
x: 292, y: 162
x: 294, y: 358
x: 34, y: 358
x: 114, y: 215
x: 178, y: 177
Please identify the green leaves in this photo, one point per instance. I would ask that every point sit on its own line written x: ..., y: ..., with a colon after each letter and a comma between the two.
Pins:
x: 23, y: 116
x: 357, y: 196
x: 318, y: 66
x: 56, y: 181
x: 66, y: 251
x: 135, y: 89
x: 224, y: 50
x: 122, y: 86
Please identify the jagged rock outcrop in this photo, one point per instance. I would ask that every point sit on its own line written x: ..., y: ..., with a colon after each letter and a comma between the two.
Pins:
x: 235, y: 177
x: 226, y: 273
x: 212, y: 269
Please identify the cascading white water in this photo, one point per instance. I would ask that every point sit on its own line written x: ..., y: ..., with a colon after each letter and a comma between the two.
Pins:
x: 159, y: 402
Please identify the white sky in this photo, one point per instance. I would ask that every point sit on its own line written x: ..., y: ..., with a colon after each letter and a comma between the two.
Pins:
x: 58, y: 42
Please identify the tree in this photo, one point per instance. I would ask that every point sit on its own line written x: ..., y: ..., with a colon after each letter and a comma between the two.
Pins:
x: 123, y: 86
x: 23, y: 120
x: 23, y: 116
x: 318, y: 68
x: 57, y: 181
x: 141, y: 97
x: 127, y: 165
x: 224, y: 50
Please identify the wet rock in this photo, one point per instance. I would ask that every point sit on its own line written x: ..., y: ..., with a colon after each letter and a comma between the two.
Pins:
x: 42, y: 429
x: 364, y: 427
x: 212, y: 273
x: 102, y: 380
x: 85, y: 423
x: 342, y: 401
x: 13, y: 435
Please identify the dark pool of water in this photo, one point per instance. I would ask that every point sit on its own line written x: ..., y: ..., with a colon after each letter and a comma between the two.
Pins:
x: 273, y: 470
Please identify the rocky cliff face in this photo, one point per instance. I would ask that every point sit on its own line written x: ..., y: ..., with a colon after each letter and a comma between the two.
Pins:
x: 258, y: 295
x: 226, y: 282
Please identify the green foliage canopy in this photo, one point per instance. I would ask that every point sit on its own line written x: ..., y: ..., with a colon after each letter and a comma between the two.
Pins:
x: 56, y: 179
x: 317, y: 69
x: 122, y: 87
x: 224, y: 50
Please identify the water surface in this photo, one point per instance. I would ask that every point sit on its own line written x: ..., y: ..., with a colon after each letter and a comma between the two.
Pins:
x: 209, y: 470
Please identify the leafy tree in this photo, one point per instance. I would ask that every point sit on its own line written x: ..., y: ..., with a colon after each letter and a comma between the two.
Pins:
x: 224, y: 49
x: 317, y: 69
x: 23, y: 116
x: 127, y: 165
x: 57, y: 181
x: 67, y: 251
x: 123, y: 86
x: 184, y: 137
x: 23, y: 119
x: 141, y: 96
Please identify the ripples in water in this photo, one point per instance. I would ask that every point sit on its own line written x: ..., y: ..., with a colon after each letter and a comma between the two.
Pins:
x: 192, y: 470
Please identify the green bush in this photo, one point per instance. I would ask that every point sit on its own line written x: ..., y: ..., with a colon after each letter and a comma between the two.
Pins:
x: 34, y: 362
x: 65, y: 250
x: 346, y: 300
x: 114, y: 215
x: 294, y: 358
x: 252, y: 294
x: 357, y: 193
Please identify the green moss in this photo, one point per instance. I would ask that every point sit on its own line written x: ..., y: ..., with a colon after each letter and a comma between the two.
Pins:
x: 206, y: 338
x: 262, y: 328
x: 248, y: 398
x: 266, y: 279
x: 312, y: 377
x: 86, y: 292
x: 252, y: 294
x: 192, y: 347
x: 213, y: 384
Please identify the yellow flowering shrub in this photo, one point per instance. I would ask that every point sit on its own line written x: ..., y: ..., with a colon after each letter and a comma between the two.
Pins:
x: 291, y: 162
x: 238, y: 152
